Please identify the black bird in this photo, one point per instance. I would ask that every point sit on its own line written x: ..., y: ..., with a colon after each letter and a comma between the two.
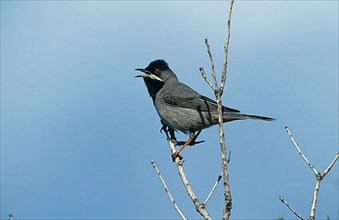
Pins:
x: 182, y: 108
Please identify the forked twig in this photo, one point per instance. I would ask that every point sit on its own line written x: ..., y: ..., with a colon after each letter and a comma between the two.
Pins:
x: 319, y: 176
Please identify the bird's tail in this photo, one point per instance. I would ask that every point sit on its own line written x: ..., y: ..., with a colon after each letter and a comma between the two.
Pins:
x: 238, y: 116
x: 257, y: 117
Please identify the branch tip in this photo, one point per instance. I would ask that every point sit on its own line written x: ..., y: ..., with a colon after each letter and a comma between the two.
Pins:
x: 290, y: 208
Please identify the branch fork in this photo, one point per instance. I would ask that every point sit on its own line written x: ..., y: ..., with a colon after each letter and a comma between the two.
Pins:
x: 318, y: 176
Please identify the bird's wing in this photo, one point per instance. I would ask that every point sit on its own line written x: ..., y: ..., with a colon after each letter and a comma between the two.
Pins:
x: 185, y: 97
x: 212, y: 102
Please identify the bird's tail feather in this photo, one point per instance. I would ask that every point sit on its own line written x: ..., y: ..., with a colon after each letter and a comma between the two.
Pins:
x: 257, y: 117
x: 238, y: 116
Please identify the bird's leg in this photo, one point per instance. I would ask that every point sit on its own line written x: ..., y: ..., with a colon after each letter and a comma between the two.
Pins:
x: 193, y: 142
x: 172, y: 135
x: 190, y: 139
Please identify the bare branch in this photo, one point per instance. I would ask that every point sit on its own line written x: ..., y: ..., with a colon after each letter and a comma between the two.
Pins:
x: 224, y: 161
x: 200, y: 207
x: 218, y: 93
x: 213, y: 188
x: 300, y: 152
x: 315, y: 197
x: 227, y: 41
x: 290, y: 208
x: 227, y: 189
x: 167, y: 190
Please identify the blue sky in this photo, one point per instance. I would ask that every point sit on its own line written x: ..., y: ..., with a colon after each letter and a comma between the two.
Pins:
x: 78, y: 131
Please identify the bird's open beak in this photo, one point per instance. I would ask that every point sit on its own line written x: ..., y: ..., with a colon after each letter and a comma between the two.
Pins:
x: 148, y: 74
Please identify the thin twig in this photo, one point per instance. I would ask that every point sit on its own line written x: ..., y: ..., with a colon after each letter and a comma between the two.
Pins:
x: 227, y: 41
x: 213, y: 188
x: 323, y: 174
x: 200, y: 207
x: 167, y: 190
x: 300, y: 152
x: 290, y: 208
x: 203, y: 74
x: 212, y: 65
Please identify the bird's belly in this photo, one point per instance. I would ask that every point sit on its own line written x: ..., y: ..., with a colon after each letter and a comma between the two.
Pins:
x: 184, y: 119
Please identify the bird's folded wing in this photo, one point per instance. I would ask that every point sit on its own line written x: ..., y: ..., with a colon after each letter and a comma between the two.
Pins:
x: 185, y: 97
x: 224, y: 108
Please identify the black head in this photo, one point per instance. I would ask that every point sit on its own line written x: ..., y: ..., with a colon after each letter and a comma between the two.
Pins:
x: 158, y: 70
x: 157, y: 65
x: 156, y: 74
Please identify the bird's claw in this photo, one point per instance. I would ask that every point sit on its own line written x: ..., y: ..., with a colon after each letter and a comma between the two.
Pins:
x: 174, y: 141
x: 196, y: 142
x: 176, y: 155
x: 164, y: 128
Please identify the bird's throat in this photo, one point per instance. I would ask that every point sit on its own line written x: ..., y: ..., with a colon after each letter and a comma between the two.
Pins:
x: 153, y: 86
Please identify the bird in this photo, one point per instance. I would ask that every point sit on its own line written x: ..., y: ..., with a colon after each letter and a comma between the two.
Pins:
x: 181, y: 108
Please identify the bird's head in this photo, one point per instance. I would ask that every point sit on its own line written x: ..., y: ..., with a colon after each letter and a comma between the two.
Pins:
x: 158, y: 70
x: 156, y: 74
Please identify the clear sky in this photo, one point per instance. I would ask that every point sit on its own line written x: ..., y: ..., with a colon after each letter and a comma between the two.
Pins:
x: 78, y: 131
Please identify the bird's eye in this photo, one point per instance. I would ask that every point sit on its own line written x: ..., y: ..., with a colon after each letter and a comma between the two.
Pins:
x: 157, y: 71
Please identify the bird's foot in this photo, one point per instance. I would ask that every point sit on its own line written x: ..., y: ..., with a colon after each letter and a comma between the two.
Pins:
x: 169, y: 132
x: 176, y: 155
x: 175, y: 142
x: 193, y: 141
x: 179, y: 143
x: 164, y: 128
